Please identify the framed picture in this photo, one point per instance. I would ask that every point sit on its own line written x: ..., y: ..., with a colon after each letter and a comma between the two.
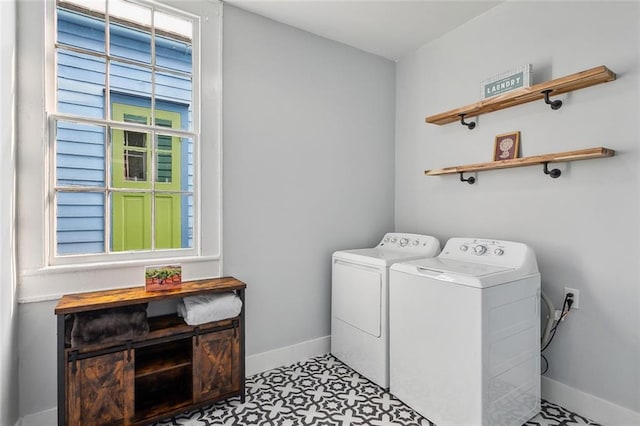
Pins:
x: 160, y: 278
x: 506, y: 146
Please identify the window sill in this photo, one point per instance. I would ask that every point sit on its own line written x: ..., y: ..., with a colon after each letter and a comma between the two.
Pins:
x: 52, y: 282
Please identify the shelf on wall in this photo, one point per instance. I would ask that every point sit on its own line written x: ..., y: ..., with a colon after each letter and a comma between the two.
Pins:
x: 558, y: 86
x: 582, y: 154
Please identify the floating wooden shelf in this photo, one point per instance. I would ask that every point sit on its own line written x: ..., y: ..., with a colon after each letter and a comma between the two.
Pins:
x: 582, y: 154
x: 565, y: 84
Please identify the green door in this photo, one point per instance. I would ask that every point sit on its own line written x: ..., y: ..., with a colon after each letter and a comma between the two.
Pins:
x: 131, y: 159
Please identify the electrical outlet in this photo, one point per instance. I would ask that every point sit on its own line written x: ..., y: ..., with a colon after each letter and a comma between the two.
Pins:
x: 576, y: 297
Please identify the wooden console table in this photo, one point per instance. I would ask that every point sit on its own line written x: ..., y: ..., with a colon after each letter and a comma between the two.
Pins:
x: 174, y: 368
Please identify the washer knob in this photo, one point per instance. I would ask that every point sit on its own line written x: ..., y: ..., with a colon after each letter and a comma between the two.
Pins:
x: 386, y: 239
x: 404, y: 242
x: 499, y: 252
x: 464, y: 248
x: 416, y: 242
x: 480, y: 250
x: 393, y: 240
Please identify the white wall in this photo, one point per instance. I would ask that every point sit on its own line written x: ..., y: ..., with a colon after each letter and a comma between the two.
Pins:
x: 308, y: 169
x: 8, y: 311
x: 584, y: 225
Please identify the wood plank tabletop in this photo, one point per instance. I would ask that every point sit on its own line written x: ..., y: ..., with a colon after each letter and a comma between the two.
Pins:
x: 80, y: 302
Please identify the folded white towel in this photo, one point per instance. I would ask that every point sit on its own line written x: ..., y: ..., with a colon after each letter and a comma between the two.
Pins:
x: 209, y: 307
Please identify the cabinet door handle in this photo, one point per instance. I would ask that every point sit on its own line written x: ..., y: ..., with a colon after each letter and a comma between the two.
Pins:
x: 128, y: 350
x: 197, y: 335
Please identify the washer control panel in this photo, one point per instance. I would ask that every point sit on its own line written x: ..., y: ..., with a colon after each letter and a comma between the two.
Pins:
x: 493, y: 252
x: 408, y: 242
x: 478, y: 247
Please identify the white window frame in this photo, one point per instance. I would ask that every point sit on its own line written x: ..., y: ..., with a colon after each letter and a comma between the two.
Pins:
x: 194, y: 135
x: 43, y: 276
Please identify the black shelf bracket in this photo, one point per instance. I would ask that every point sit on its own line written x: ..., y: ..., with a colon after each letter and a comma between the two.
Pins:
x: 553, y: 104
x: 470, y: 126
x: 470, y: 180
x: 554, y: 173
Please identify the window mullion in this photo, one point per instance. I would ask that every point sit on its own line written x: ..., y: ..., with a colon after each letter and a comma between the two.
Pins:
x: 153, y: 67
x: 153, y: 132
x: 107, y: 141
x: 52, y: 194
x: 122, y: 125
x: 107, y: 71
x: 107, y: 189
x: 153, y: 188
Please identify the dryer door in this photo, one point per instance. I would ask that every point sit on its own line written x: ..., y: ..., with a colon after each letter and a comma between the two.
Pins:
x: 357, y: 295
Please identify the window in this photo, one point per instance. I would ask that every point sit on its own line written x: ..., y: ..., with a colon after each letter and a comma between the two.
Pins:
x: 124, y: 129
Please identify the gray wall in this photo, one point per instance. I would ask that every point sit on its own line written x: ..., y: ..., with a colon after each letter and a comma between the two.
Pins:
x: 8, y: 311
x: 308, y: 169
x: 584, y: 225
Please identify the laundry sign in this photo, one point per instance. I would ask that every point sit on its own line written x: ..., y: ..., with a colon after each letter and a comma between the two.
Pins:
x: 507, y: 81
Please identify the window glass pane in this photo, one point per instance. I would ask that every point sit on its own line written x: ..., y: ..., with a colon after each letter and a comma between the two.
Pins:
x: 129, y: 11
x: 130, y: 221
x: 187, y: 222
x: 79, y: 154
x: 130, y: 159
x: 130, y: 31
x: 95, y: 6
x: 164, y: 167
x: 132, y: 118
x: 174, y: 220
x: 135, y: 139
x: 174, y: 93
x: 174, y: 45
x: 170, y: 161
x: 78, y: 27
x: 187, y: 146
x: 80, y: 83
x: 135, y: 165
x: 79, y: 223
x: 164, y: 142
x: 130, y: 85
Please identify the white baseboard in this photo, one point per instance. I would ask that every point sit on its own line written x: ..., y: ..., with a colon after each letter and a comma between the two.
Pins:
x: 288, y: 355
x: 43, y: 418
x: 591, y: 406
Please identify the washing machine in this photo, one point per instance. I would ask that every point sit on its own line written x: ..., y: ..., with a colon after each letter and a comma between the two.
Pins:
x: 359, y: 301
x: 465, y: 334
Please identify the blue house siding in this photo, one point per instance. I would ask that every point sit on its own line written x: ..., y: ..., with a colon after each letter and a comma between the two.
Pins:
x: 80, y: 222
x: 80, y: 150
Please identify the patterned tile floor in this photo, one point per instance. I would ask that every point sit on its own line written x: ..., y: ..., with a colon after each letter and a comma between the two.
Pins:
x: 325, y: 392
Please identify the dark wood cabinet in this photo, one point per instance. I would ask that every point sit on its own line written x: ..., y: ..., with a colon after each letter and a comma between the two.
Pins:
x: 174, y: 368
x: 216, y: 367
x: 99, y: 390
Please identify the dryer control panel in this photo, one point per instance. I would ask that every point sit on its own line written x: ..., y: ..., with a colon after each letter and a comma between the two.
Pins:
x: 488, y: 251
x: 408, y: 242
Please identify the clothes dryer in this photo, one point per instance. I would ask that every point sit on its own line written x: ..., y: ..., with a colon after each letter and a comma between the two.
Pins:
x: 359, y: 301
x: 465, y: 334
